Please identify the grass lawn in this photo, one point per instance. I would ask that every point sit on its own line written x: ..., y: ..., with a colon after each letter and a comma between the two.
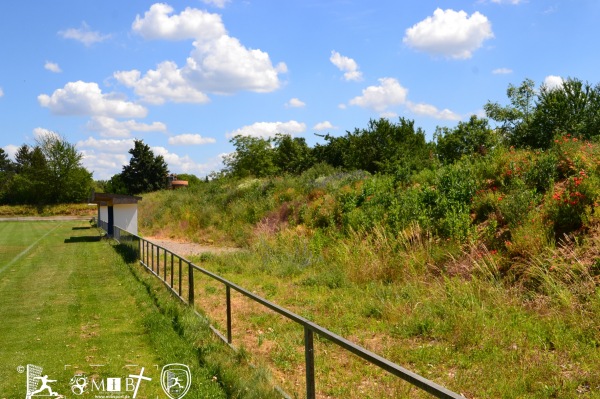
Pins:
x: 70, y: 303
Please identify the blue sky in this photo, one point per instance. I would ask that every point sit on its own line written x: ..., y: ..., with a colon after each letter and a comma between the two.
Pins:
x: 185, y: 76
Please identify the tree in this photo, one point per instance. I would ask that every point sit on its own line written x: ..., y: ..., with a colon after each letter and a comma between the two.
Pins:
x: 6, y: 164
x: 48, y: 173
x: 145, y: 171
x: 6, y: 172
x: 515, y: 119
x: 573, y: 108
x: 253, y: 156
x: 467, y: 138
x: 292, y: 155
x: 116, y: 185
x: 67, y: 180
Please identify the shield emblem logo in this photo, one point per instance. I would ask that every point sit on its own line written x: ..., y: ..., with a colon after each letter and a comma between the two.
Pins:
x: 176, y: 380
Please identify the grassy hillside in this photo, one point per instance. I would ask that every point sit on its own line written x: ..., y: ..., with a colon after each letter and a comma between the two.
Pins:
x: 482, y: 275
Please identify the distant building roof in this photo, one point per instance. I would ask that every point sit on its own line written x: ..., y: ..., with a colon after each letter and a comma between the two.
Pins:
x: 107, y: 199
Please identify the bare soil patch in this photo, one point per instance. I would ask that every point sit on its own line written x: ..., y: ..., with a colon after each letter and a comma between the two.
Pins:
x: 185, y: 249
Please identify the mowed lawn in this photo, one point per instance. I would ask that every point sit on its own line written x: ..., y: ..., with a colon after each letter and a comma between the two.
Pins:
x: 70, y: 304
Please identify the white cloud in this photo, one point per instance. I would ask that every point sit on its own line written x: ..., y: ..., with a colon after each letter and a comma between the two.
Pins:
x: 389, y: 115
x: 450, y: 33
x: 225, y: 66
x: 104, y: 164
x: 325, y: 125
x: 110, y: 127
x: 507, y: 1
x: 432, y: 111
x: 40, y: 132
x: 189, y: 24
x: 295, y: 103
x: 105, y: 157
x: 218, y: 63
x: 52, y: 67
x: 84, y: 35
x: 346, y: 65
x: 11, y: 150
x: 185, y: 164
x: 391, y: 93
x: 83, y: 98
x: 502, y: 71
x: 107, y: 145
x: 269, y: 129
x: 1, y: 92
x: 553, y: 82
x: 190, y: 139
x: 379, y: 98
x: 217, y: 3
x: 163, y: 84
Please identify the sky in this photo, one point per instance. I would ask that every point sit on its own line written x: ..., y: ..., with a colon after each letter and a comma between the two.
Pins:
x: 187, y: 76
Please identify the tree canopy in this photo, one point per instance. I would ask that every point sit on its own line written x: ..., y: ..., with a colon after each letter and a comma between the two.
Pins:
x: 51, y: 172
x: 535, y: 117
x: 145, y: 171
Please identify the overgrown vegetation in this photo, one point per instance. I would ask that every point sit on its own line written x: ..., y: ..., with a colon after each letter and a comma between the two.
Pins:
x: 473, y: 260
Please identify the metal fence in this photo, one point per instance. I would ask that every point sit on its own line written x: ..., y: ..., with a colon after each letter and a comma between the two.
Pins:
x: 177, y: 272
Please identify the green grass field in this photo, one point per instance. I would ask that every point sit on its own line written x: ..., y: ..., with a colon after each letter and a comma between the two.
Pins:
x: 70, y: 304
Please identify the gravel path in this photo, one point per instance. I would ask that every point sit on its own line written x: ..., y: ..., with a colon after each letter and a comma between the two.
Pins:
x: 188, y: 248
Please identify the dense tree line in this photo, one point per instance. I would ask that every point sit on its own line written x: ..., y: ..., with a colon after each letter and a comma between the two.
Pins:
x: 48, y: 173
x: 532, y: 119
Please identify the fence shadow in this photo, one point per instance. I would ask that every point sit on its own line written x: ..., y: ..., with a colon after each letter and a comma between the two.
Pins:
x: 72, y: 240
x: 127, y: 252
x: 81, y: 228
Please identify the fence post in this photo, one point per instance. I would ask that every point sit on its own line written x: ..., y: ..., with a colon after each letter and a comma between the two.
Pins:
x: 179, y: 276
x: 172, y: 269
x: 165, y: 266
x: 152, y: 255
x: 190, y: 285
x: 228, y: 300
x: 309, y: 355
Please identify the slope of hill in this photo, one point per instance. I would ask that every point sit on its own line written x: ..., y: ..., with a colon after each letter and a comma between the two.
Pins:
x: 482, y: 275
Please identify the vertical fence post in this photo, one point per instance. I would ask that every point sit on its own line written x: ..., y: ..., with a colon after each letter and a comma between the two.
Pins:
x: 172, y: 269
x: 152, y: 255
x: 228, y: 300
x: 179, y: 276
x: 309, y: 355
x: 158, y: 261
x: 165, y: 266
x: 190, y: 285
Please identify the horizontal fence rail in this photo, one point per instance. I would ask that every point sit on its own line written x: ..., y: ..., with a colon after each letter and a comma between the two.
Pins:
x: 175, y: 268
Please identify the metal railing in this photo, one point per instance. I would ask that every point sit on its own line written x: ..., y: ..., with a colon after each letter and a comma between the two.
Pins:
x: 175, y: 268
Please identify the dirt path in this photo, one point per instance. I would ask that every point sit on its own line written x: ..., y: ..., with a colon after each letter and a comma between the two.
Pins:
x: 188, y: 248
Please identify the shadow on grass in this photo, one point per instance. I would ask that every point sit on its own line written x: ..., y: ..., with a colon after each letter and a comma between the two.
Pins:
x: 72, y: 240
x: 81, y: 228
x: 127, y: 252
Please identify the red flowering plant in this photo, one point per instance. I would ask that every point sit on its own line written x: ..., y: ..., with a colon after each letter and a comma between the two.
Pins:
x: 571, y: 201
